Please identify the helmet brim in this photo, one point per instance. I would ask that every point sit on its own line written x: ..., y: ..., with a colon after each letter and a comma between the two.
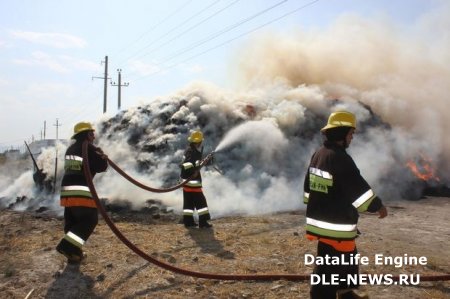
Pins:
x: 84, y: 130
x: 332, y: 126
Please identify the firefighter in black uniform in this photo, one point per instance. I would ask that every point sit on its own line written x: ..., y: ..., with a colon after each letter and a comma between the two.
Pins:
x: 335, y: 192
x: 80, y: 210
x: 193, y: 197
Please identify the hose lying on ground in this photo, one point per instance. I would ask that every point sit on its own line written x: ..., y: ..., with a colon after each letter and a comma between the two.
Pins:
x: 255, y: 277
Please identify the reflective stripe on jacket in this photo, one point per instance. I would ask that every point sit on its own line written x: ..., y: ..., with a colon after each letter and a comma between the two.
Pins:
x: 191, y: 160
x: 335, y: 192
x: 74, y: 189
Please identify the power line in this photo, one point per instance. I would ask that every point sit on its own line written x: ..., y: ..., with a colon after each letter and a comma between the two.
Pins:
x: 230, y: 40
x: 190, y: 28
x: 220, y: 32
x: 207, y: 50
x: 89, y: 93
x: 174, y: 12
x: 225, y: 30
x: 170, y: 31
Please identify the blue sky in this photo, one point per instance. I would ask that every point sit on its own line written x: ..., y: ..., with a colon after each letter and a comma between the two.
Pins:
x: 51, y: 50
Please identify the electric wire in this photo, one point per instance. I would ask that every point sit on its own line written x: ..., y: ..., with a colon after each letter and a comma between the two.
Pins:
x: 170, y: 15
x: 168, y: 32
x: 83, y: 108
x: 190, y: 28
x: 242, y: 35
x: 195, y: 45
x: 225, y: 30
x: 211, y: 36
x: 160, y: 69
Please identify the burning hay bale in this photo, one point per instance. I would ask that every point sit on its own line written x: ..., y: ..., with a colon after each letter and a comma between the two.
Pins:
x: 261, y: 150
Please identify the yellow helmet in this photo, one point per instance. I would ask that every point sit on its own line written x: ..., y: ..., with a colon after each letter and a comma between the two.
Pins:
x: 81, y: 127
x: 340, y: 119
x: 195, y: 137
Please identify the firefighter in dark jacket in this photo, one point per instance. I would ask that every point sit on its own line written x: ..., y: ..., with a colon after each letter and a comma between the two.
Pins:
x: 335, y: 193
x: 193, y: 197
x: 80, y: 210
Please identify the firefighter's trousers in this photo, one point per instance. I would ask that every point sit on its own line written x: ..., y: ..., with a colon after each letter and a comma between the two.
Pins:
x: 194, y: 201
x: 324, y: 291
x: 79, y: 223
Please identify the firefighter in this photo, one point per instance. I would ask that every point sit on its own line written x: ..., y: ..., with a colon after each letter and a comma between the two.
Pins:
x: 80, y: 210
x: 193, y: 197
x: 335, y: 193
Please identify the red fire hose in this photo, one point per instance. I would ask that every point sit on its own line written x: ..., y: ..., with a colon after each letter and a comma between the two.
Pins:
x: 158, y: 190
x: 257, y: 277
x: 139, y: 184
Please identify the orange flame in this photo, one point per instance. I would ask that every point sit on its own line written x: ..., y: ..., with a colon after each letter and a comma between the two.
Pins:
x: 423, y: 169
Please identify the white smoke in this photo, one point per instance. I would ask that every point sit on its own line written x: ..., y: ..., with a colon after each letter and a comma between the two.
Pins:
x: 252, y: 133
x: 264, y: 134
x: 18, y: 188
x: 21, y: 186
x: 402, y: 75
x: 11, y: 169
x: 51, y: 160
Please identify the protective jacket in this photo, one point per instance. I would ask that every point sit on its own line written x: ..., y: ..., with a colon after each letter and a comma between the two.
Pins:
x: 191, y: 162
x: 335, y: 192
x: 74, y: 189
x: 193, y: 197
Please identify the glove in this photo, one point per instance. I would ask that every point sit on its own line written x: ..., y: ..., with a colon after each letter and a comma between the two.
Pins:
x: 382, y: 212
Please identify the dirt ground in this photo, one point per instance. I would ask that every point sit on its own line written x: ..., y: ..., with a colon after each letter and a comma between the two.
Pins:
x: 31, y: 268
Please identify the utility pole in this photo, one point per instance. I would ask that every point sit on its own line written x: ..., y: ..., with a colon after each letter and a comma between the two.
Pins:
x: 57, y: 125
x: 56, y: 154
x: 105, y: 85
x: 45, y: 127
x: 119, y: 84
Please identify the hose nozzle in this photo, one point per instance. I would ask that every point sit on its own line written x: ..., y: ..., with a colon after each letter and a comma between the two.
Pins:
x: 208, y: 158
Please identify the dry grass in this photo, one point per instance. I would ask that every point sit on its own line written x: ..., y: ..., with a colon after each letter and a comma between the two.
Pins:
x: 236, y: 245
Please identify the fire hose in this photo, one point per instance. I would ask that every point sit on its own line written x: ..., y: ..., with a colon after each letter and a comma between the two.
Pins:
x: 169, y: 267
x: 145, y: 187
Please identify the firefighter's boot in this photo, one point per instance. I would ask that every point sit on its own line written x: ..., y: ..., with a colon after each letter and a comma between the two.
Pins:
x: 205, y: 224
x: 351, y: 294
x: 73, y: 253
